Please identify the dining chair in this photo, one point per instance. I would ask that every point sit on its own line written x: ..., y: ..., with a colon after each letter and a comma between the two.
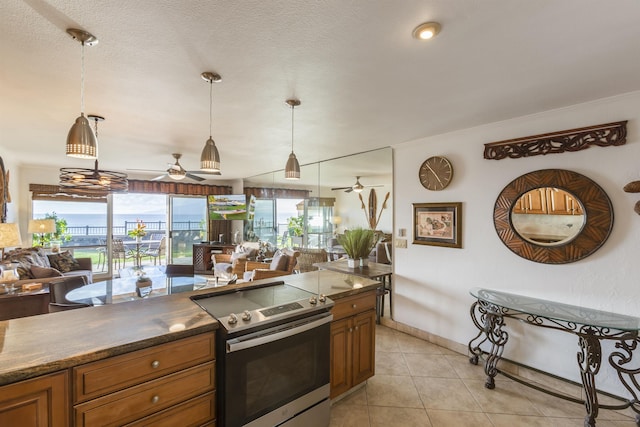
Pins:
x: 58, y: 290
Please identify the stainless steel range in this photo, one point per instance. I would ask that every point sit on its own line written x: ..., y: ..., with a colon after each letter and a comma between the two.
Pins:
x: 272, y: 356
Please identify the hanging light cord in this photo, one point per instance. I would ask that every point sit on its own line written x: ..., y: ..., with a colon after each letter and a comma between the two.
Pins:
x: 82, y: 78
x: 292, y: 108
x: 210, y: 105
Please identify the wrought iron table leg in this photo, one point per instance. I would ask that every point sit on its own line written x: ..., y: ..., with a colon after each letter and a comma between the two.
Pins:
x: 589, y: 359
x: 629, y: 376
x: 490, y: 325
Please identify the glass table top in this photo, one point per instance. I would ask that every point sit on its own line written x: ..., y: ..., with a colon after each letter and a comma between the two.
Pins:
x: 557, y: 311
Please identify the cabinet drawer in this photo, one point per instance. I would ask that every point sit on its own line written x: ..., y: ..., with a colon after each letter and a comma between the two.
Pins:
x: 355, y: 304
x: 146, y: 399
x: 192, y: 413
x: 119, y: 372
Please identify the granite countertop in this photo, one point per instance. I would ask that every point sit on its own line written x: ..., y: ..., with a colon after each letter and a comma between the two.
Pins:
x: 37, y: 345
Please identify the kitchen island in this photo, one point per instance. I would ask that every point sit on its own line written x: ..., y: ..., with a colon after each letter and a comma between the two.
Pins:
x: 56, y: 347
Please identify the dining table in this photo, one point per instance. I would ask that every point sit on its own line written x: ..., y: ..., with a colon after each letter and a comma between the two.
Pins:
x: 373, y: 270
x: 125, y: 289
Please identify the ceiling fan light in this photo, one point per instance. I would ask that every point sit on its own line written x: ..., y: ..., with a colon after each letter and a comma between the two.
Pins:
x: 358, y: 189
x: 81, y: 141
x: 292, y: 170
x: 176, y: 175
x: 210, y: 158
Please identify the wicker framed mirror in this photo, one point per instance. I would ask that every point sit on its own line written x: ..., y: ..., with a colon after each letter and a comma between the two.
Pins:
x: 595, y: 208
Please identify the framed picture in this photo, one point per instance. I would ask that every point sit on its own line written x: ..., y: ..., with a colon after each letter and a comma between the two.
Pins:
x: 437, y: 224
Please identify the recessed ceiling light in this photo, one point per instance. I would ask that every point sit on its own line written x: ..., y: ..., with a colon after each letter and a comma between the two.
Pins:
x: 426, y: 31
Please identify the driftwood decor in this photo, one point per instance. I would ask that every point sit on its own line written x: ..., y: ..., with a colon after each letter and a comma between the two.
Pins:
x: 558, y: 142
x: 373, y: 218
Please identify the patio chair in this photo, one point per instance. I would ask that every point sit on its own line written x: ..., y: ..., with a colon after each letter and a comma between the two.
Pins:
x: 157, y: 251
x: 119, y: 252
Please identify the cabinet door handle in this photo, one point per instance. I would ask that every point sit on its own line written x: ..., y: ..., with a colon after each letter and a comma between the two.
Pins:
x: 353, y: 306
x: 350, y: 329
x: 155, y: 364
x: 356, y: 328
x: 155, y: 399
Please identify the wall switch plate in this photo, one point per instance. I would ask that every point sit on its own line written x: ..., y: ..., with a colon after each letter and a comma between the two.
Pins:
x: 401, y: 243
x: 402, y: 232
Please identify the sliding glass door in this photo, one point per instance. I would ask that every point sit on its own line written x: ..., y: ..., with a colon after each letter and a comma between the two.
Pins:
x: 187, y: 225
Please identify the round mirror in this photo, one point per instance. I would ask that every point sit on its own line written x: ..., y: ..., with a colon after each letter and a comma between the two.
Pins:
x: 548, y: 216
x: 553, y: 216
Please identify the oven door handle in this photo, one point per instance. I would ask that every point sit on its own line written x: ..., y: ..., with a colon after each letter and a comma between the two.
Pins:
x: 265, y: 337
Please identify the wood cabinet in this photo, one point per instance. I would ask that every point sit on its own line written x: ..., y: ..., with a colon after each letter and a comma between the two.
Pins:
x: 149, y: 387
x: 548, y: 200
x: 37, y: 402
x: 202, y: 263
x: 352, y: 342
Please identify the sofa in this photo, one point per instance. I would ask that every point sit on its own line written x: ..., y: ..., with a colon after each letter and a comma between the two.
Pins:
x: 35, y: 265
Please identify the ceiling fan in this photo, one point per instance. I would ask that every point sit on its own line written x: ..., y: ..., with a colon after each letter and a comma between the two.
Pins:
x: 357, y: 187
x: 177, y: 172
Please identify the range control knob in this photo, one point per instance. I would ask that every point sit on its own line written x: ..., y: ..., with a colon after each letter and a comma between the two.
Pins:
x: 246, y: 316
x: 233, y: 319
x: 323, y: 298
x: 313, y: 300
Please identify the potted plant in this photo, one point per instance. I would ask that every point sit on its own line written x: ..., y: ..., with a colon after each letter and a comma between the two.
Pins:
x: 143, y: 284
x: 357, y: 243
x: 295, y: 225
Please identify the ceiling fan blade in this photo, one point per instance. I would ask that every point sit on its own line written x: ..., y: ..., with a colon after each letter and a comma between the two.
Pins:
x: 204, y: 173
x: 194, y: 177
x: 340, y: 188
x: 369, y: 186
x: 146, y: 170
x: 158, y: 178
x: 348, y: 190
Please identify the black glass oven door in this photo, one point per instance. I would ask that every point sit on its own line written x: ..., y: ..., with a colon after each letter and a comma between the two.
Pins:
x: 259, y: 379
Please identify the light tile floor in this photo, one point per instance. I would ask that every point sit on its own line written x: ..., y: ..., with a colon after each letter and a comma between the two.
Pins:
x: 419, y: 384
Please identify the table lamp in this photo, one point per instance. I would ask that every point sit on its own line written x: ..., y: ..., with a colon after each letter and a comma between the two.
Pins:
x: 42, y: 226
x: 9, y: 237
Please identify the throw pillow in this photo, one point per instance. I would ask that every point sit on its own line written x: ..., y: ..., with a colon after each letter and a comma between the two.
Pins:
x: 64, y: 262
x: 44, y: 272
x: 280, y: 262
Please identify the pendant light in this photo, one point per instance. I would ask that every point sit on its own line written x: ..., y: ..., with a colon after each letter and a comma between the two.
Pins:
x: 292, y: 170
x: 210, y: 158
x: 81, y: 142
x: 92, y: 181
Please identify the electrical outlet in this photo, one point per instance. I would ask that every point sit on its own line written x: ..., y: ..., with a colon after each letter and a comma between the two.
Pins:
x: 401, y: 243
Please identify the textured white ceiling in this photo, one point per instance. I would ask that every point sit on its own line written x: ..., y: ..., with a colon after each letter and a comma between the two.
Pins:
x: 364, y: 82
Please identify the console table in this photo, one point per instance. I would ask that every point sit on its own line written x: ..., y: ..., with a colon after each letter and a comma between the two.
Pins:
x: 591, y: 326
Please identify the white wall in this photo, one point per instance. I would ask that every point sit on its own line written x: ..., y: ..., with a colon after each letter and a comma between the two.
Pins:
x: 432, y: 283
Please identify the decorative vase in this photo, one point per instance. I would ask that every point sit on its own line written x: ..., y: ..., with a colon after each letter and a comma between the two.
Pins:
x: 138, y: 239
x: 364, y: 262
x: 351, y: 263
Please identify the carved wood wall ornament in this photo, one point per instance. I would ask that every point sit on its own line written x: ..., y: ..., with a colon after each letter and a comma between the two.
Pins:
x: 603, y: 135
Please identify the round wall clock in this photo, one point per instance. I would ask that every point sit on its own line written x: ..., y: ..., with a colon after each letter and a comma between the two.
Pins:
x: 435, y: 173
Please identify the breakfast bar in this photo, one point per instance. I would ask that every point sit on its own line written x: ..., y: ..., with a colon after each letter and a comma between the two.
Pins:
x: 155, y: 356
